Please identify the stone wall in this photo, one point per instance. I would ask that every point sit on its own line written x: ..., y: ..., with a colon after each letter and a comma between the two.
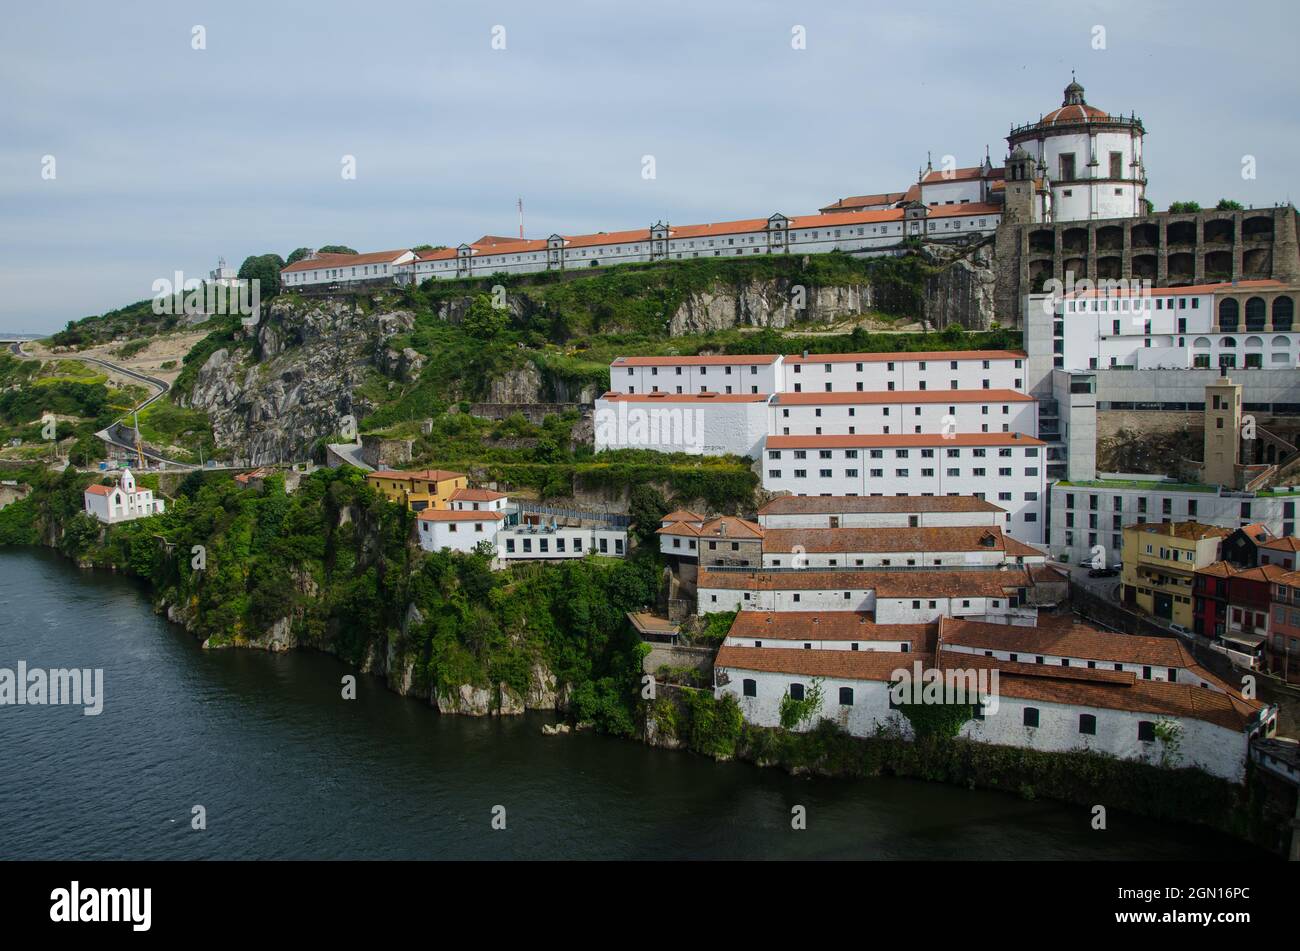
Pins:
x: 1166, y: 249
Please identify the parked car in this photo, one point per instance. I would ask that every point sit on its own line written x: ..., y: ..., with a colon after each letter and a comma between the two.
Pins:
x: 1102, y: 572
x: 1179, y: 629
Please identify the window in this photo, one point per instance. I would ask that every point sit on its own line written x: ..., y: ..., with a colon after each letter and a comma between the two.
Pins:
x: 796, y: 691
x: 749, y: 687
x: 1031, y: 716
x: 1146, y: 731
x: 846, y: 696
x: 1087, y: 724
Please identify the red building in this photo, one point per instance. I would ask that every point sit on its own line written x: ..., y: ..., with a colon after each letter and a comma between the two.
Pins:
x: 1283, y: 654
x: 1210, y: 599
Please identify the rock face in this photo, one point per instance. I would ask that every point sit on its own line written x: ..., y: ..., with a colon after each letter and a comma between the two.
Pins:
x: 963, y: 292
x: 521, y: 385
x: 767, y: 304
x: 297, y: 384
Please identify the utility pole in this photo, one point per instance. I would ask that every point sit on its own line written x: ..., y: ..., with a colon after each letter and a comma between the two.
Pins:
x: 520, y: 203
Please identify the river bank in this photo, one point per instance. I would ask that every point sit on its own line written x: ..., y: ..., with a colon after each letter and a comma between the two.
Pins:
x: 286, y: 768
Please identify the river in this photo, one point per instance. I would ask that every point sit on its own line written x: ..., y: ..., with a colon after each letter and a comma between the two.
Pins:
x: 285, y: 768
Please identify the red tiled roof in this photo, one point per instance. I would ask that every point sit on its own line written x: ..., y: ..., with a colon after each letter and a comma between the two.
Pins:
x: 961, y: 175
x: 1282, y: 544
x: 331, y: 259
x: 682, y: 515
x: 1078, y: 640
x: 828, y: 626
x: 699, y: 360
x: 848, y: 665
x: 885, y: 540
x: 422, y: 475
x: 100, y: 489
x: 709, y: 397
x: 861, y: 201
x: 450, y: 515
x: 908, y: 357
x: 938, y: 583
x: 854, y: 504
x: 476, y: 495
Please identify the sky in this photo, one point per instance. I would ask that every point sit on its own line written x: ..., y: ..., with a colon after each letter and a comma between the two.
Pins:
x: 166, y: 156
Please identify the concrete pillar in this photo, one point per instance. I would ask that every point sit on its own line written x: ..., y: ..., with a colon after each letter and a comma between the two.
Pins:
x: 1198, y: 257
x: 1236, y: 247
x: 1092, y: 252
x: 1162, y: 252
x: 1126, y: 258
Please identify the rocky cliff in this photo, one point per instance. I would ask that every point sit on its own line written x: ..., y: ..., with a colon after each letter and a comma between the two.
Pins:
x: 962, y: 290
x: 767, y: 303
x: 296, y: 382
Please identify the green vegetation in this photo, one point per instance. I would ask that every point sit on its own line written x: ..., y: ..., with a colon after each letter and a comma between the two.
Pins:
x: 164, y: 424
x: 1183, y: 207
x: 337, y: 562
x: 1227, y: 204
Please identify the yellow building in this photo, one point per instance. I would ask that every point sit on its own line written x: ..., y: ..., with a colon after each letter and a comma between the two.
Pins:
x: 425, y: 489
x: 1160, y: 560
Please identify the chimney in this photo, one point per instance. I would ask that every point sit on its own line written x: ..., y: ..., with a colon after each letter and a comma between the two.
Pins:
x: 722, y: 528
x: 805, y: 354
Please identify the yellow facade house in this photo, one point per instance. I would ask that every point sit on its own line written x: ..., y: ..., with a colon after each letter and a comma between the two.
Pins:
x: 418, y: 490
x: 1160, y: 561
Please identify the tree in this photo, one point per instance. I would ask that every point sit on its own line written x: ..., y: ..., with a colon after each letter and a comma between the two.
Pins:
x: 1227, y: 204
x: 647, y: 507
x: 264, y: 268
x: 296, y: 255
x: 483, y: 321
x: 1183, y: 207
x: 335, y: 249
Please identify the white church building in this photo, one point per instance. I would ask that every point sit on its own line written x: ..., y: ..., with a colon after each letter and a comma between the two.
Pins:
x: 122, y: 502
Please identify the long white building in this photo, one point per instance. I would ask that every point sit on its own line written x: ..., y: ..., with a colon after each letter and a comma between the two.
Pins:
x: 1006, y: 468
x: 1054, y: 689
x: 916, y: 411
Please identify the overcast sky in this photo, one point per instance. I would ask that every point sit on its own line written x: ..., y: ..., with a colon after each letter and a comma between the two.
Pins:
x: 166, y: 157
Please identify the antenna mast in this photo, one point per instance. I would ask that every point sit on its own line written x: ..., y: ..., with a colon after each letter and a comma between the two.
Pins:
x: 520, y: 203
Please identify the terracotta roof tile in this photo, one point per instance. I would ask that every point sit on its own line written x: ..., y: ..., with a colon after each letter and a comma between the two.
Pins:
x: 870, y: 504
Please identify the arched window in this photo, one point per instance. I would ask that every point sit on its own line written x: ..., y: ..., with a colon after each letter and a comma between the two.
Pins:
x: 1228, y: 314
x: 796, y: 691
x: 1281, y: 342
x: 1228, y: 342
x: 1201, y: 342
x: 749, y: 687
x: 1254, y: 342
x: 1256, y: 313
x: 1283, y: 312
x: 1088, y: 724
x: 1146, y: 731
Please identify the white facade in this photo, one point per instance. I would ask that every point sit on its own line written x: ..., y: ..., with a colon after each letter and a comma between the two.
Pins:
x: 704, y: 424
x: 861, y: 231
x: 1002, y: 468
x: 459, y: 531
x: 328, y: 268
x: 1090, y: 160
x: 1171, y: 328
x: 558, y: 543
x: 958, y: 411
x: 751, y: 375
x: 122, y: 502
x: 889, y: 372
x: 1088, y: 514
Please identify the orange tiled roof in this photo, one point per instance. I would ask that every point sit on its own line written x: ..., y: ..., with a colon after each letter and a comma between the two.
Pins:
x: 848, y: 665
x: 828, y: 626
x: 708, y: 397
x: 451, y: 515
x: 884, y: 540
x: 331, y: 259
x: 699, y: 360
x: 476, y: 495
x: 909, y: 357
x: 853, y: 504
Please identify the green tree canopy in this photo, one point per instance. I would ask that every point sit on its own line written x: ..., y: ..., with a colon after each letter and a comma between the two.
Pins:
x: 1184, y: 207
x: 264, y: 268
x: 1227, y: 204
